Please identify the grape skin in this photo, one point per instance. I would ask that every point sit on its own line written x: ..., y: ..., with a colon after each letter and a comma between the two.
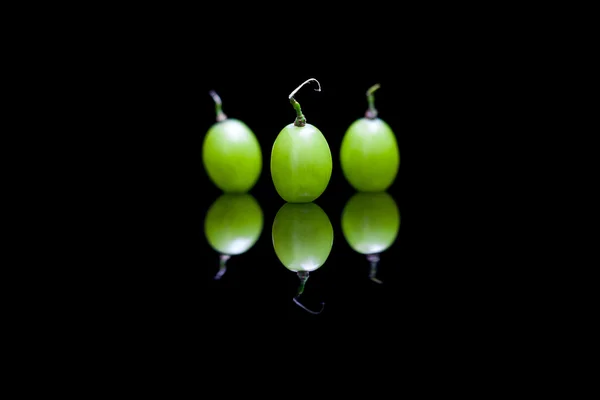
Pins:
x: 301, y: 163
x: 231, y: 156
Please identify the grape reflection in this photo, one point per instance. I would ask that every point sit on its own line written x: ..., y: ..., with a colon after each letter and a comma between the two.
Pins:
x: 370, y: 224
x: 232, y: 225
x: 302, y: 238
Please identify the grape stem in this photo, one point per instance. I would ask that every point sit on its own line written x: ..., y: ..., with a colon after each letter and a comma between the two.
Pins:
x: 371, y: 112
x: 303, y: 275
x: 222, y: 266
x: 300, y: 118
x: 374, y: 261
x: 218, y: 106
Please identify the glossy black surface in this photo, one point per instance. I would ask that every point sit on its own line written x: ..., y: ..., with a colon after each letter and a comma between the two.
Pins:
x: 256, y: 281
x: 152, y: 260
x: 435, y: 266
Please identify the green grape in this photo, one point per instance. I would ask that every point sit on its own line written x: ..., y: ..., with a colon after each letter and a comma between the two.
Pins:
x: 302, y: 238
x: 301, y: 162
x: 231, y: 153
x: 370, y: 224
x: 369, y: 152
x: 232, y: 225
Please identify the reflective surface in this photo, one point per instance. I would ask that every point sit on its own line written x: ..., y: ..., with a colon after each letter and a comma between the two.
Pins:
x: 337, y: 257
x: 383, y: 264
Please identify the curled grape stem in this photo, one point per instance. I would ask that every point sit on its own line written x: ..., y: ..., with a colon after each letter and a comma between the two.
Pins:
x: 303, y: 275
x: 308, y: 310
x: 371, y: 112
x: 300, y: 118
x: 218, y: 106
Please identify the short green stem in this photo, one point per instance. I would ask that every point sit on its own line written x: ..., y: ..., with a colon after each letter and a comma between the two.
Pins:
x: 371, y: 112
x: 218, y: 106
x: 303, y: 276
x: 300, y: 118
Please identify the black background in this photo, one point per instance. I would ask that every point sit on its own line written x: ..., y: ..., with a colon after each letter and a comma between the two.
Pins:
x: 437, y: 93
x: 422, y: 275
x: 447, y: 93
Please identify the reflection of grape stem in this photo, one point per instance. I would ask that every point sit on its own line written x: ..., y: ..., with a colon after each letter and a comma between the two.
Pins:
x: 303, y: 276
x: 222, y: 266
x: 374, y: 260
